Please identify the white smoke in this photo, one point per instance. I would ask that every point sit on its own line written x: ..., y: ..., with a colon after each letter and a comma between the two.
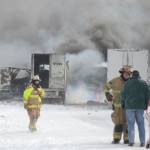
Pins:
x: 84, y: 63
x: 87, y: 73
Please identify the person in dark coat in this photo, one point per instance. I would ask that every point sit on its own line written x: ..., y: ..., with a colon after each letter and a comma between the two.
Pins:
x: 134, y: 98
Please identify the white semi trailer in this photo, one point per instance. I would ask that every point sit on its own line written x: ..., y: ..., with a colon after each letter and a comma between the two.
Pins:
x: 53, y: 71
x: 138, y: 59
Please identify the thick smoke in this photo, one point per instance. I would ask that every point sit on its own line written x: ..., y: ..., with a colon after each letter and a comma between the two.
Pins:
x: 71, y: 26
x: 85, y: 67
x: 87, y: 74
x: 74, y: 25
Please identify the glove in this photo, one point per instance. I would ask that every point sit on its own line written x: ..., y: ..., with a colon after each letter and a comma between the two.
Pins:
x: 122, y: 106
x: 109, y: 96
x: 39, y: 91
x: 113, y: 107
x: 26, y: 106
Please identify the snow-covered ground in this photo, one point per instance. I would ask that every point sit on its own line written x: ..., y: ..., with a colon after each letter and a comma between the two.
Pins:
x: 59, y: 128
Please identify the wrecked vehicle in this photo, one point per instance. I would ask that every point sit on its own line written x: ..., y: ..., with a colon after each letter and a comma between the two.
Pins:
x: 13, y: 81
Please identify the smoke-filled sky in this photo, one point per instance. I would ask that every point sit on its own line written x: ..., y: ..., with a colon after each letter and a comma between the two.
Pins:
x: 70, y: 26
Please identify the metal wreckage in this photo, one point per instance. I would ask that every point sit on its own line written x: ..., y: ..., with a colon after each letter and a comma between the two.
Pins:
x: 53, y: 70
x: 13, y: 81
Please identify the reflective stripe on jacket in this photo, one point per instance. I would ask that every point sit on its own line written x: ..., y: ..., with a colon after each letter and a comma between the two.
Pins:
x: 32, y: 97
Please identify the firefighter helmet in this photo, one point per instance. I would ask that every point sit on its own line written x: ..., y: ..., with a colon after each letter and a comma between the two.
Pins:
x: 127, y: 69
x: 36, y: 78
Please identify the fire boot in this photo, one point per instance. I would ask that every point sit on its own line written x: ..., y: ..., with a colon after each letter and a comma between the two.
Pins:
x: 32, y: 125
x: 116, y: 141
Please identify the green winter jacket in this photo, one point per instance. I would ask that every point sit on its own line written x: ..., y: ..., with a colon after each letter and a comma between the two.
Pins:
x: 135, y: 94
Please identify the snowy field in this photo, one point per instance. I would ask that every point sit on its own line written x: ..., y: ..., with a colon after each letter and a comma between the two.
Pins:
x: 59, y: 128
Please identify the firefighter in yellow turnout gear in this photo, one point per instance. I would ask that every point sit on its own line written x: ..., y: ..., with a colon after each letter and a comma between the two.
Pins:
x: 32, y: 101
x: 118, y: 116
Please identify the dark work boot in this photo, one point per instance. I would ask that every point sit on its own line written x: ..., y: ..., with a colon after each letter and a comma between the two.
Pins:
x: 142, y: 145
x: 126, y: 141
x: 131, y: 144
x: 115, y: 141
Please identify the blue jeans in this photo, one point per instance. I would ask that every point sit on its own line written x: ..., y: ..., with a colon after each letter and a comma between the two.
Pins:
x: 133, y: 115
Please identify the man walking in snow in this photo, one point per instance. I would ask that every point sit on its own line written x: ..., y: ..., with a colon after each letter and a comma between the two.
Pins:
x: 134, y: 98
x: 32, y: 101
x: 118, y: 116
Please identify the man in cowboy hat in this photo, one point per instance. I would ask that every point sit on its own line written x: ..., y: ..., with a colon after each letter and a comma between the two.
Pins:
x: 32, y: 101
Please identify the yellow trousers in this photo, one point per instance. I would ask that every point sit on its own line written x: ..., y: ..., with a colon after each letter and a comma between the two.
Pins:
x: 33, y: 114
x: 120, y: 125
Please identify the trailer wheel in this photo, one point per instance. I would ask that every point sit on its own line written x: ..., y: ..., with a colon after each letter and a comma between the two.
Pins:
x: 63, y: 98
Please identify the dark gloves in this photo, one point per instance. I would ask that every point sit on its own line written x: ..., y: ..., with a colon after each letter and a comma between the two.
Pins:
x: 113, y: 107
x: 109, y: 96
x: 26, y: 106
x: 123, y: 107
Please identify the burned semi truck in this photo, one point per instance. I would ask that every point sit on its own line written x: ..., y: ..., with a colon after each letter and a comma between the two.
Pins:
x: 53, y: 71
x: 13, y: 81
